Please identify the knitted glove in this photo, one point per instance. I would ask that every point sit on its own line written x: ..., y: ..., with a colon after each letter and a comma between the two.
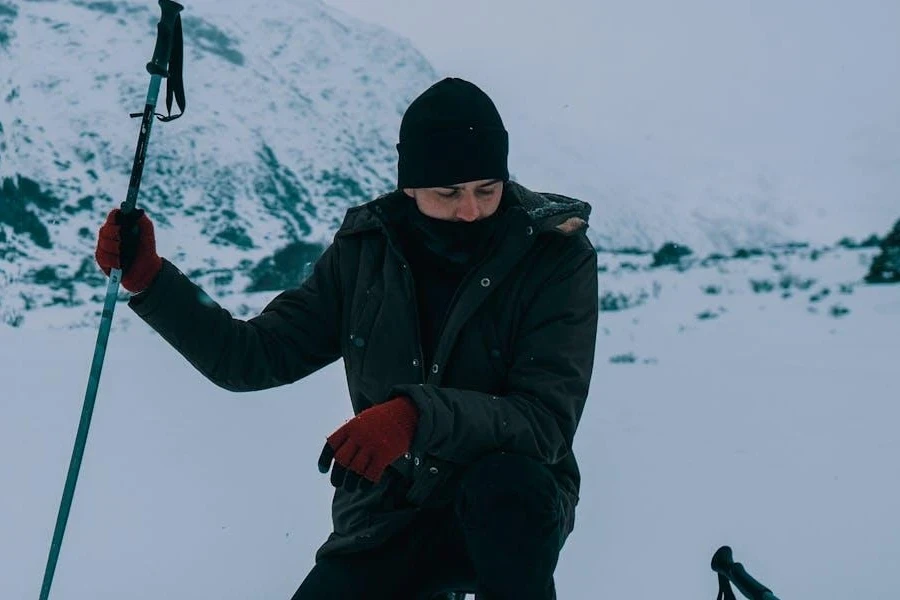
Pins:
x: 365, y: 445
x: 127, y: 242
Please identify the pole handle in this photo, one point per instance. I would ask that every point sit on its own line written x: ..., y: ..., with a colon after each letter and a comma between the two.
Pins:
x: 723, y: 564
x: 159, y: 64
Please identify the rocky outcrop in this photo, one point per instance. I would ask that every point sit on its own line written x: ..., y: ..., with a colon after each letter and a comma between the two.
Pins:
x: 886, y: 265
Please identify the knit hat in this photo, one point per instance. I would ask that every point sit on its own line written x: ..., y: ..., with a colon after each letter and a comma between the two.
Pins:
x: 451, y: 133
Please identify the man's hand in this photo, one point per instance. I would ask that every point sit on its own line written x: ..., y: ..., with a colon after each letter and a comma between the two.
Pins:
x: 128, y: 242
x: 364, y: 446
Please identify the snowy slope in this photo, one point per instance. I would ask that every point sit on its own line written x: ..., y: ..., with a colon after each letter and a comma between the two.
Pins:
x: 723, y: 411
x: 293, y: 110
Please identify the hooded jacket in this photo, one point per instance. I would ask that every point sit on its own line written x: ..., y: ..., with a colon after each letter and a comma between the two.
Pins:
x: 510, y: 369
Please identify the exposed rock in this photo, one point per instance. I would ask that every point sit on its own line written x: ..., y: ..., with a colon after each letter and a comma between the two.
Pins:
x: 886, y: 266
x: 287, y: 268
x: 670, y: 253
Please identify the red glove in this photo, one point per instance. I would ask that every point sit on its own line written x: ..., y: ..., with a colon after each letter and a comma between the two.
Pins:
x: 369, y: 442
x: 127, y: 242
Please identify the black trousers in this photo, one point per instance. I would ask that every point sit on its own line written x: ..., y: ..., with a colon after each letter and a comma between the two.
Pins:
x: 501, y: 537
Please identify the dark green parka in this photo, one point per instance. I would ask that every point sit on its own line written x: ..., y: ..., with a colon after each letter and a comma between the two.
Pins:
x: 511, y: 368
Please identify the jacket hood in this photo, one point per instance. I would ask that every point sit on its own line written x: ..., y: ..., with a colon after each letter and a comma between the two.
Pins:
x: 552, y: 211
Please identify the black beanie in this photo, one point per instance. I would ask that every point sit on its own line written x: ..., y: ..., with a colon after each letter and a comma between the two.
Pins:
x: 451, y: 133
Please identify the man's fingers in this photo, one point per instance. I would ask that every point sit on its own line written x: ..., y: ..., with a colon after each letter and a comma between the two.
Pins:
x: 346, y: 453
x: 325, y: 458
x: 338, y: 473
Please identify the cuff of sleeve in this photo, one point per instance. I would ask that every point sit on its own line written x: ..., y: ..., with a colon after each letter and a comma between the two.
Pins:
x: 425, y: 423
x: 146, y: 301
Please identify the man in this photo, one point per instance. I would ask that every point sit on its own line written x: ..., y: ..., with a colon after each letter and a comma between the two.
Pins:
x: 464, y: 307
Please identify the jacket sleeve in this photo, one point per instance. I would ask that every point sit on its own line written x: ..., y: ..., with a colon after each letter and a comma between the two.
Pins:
x: 296, y: 334
x: 549, y: 378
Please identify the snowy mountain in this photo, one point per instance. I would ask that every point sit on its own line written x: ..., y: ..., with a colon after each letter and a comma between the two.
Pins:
x: 292, y: 114
x: 293, y: 110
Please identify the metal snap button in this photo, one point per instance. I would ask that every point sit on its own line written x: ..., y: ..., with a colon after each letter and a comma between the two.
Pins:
x: 485, y: 282
x: 433, y: 470
x: 529, y: 230
x: 434, y: 368
x: 415, y: 362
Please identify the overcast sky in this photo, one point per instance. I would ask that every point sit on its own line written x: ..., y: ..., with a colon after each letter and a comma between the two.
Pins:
x: 806, y: 92
x: 698, y: 60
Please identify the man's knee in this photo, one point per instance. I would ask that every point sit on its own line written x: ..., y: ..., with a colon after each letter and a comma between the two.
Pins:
x: 510, y: 509
x: 509, y: 487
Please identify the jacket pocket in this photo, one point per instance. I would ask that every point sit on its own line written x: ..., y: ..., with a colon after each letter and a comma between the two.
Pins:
x: 432, y: 483
x: 350, y: 512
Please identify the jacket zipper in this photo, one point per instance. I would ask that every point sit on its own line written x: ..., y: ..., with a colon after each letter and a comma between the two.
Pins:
x: 411, y: 285
x: 455, y: 298
x: 415, y: 302
x: 411, y: 288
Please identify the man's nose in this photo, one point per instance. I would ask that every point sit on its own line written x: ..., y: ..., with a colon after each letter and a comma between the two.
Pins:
x: 468, y: 208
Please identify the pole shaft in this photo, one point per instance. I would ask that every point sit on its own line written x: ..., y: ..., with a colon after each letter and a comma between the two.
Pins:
x: 109, y: 305
x: 140, y: 151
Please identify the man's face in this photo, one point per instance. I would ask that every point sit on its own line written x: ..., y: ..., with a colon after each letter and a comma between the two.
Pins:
x: 468, y: 201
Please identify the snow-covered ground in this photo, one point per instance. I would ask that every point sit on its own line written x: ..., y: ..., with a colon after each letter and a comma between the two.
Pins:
x: 718, y: 415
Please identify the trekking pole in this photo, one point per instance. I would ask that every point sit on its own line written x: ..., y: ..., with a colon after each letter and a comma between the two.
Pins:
x: 730, y: 571
x: 168, y: 50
